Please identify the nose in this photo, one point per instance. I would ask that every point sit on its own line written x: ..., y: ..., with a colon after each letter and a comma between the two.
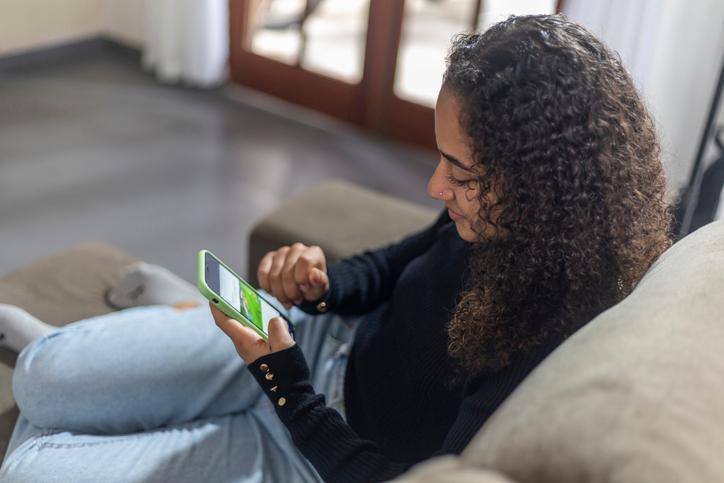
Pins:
x: 438, y: 188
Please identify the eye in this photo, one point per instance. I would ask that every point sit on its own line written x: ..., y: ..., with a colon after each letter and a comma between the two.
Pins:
x: 459, y: 182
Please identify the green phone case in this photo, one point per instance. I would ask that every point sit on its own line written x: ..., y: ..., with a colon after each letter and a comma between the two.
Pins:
x: 215, y: 298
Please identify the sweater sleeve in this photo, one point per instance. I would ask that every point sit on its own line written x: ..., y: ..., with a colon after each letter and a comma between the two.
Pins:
x: 337, y: 452
x: 319, y: 432
x: 360, y: 283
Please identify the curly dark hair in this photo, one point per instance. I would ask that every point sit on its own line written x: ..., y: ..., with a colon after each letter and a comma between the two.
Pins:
x: 565, y: 141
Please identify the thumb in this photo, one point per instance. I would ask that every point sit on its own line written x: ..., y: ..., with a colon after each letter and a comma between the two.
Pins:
x: 318, y: 278
x: 279, y: 337
x: 318, y: 285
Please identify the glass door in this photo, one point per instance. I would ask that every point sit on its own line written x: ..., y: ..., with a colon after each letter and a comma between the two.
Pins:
x: 375, y: 63
x: 310, y: 52
x: 428, y: 27
x: 325, y: 37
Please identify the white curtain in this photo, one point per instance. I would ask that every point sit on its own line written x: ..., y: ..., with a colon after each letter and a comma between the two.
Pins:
x: 628, y: 27
x: 673, y: 50
x: 187, y: 41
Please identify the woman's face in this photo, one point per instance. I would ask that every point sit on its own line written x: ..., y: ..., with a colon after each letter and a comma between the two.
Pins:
x: 454, y: 181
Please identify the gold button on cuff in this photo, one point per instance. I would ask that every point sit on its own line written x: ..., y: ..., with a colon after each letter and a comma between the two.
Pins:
x: 322, y: 307
x: 264, y: 368
x: 282, y: 401
x: 269, y: 376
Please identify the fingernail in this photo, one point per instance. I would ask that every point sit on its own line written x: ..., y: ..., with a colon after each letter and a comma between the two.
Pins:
x: 304, y: 287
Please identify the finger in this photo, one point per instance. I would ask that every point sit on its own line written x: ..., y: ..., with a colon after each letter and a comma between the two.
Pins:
x: 219, y: 317
x: 301, y: 274
x: 216, y: 313
x: 262, y: 273
x: 318, y: 278
x: 313, y: 257
x: 279, y: 337
x: 289, y: 284
x: 248, y: 343
x: 318, y: 284
x: 232, y: 328
x: 275, y: 274
x: 317, y: 254
x: 301, y: 268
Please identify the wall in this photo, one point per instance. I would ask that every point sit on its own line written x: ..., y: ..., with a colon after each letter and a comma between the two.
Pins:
x: 32, y: 24
x: 124, y: 21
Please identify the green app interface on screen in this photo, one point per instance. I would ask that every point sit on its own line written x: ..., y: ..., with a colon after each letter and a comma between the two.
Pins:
x: 245, y: 300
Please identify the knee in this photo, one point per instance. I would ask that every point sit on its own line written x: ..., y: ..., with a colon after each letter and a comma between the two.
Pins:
x: 37, y: 379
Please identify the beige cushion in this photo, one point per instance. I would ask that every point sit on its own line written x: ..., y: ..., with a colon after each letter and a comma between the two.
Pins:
x: 450, y: 469
x: 66, y: 286
x: 340, y: 217
x: 635, y: 396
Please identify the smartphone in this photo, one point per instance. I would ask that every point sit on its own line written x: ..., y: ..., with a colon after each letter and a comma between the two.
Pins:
x: 234, y: 296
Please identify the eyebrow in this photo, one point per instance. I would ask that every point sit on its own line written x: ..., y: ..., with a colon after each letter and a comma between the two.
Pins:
x: 456, y: 162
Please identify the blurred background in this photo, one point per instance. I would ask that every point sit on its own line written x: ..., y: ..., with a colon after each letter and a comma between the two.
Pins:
x: 166, y: 126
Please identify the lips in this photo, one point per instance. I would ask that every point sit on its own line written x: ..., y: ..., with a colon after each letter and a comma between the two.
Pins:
x: 455, y: 216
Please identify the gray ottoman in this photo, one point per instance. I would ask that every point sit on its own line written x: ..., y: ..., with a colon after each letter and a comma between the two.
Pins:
x: 342, y: 218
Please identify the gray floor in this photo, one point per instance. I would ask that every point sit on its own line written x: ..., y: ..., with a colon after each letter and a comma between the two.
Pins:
x: 91, y: 148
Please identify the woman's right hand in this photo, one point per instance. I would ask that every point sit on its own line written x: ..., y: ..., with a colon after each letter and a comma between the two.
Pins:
x: 294, y: 274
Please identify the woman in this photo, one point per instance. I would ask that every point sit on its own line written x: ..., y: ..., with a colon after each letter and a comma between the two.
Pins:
x: 549, y: 169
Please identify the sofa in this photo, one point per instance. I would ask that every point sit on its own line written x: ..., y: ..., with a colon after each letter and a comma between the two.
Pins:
x: 637, y: 395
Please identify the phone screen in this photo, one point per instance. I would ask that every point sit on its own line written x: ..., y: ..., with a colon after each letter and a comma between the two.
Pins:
x: 239, y: 295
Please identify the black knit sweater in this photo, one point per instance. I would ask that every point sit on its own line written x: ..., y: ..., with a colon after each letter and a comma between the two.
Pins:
x: 401, y: 404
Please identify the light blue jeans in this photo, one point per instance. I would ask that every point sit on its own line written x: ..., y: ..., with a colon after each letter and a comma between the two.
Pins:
x: 156, y: 394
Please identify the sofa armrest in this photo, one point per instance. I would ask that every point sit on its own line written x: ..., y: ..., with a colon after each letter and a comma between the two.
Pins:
x: 340, y: 217
x: 450, y: 469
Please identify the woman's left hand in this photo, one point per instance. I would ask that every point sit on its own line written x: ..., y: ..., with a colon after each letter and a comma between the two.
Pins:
x: 248, y: 343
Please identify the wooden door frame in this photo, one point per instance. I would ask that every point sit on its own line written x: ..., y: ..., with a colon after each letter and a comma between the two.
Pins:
x: 405, y: 120
x: 315, y: 91
x: 371, y: 103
